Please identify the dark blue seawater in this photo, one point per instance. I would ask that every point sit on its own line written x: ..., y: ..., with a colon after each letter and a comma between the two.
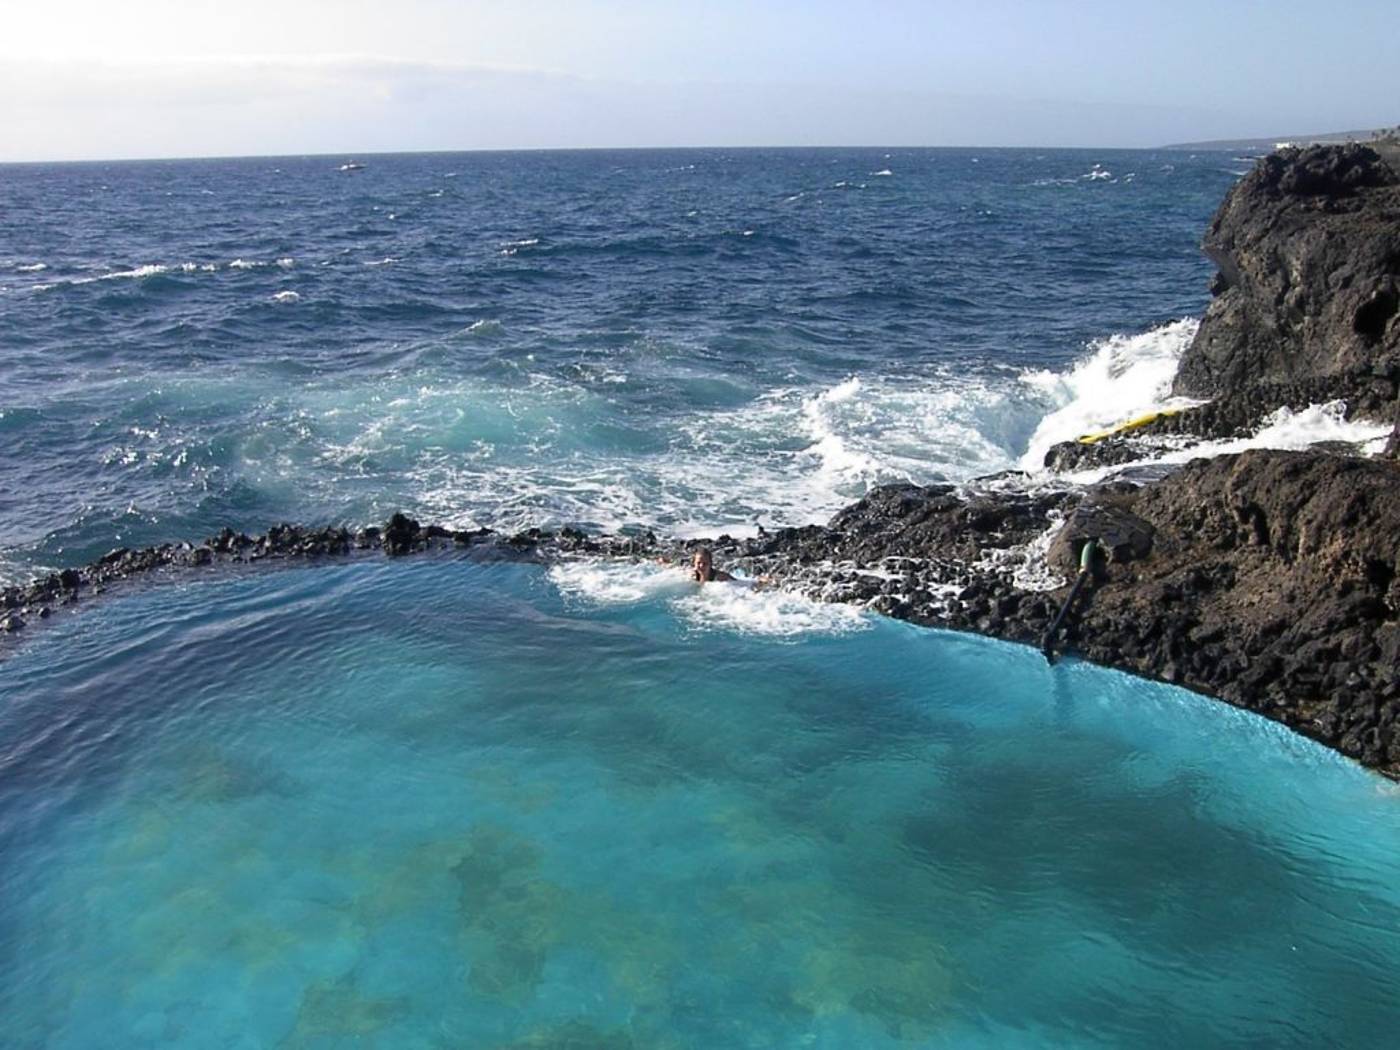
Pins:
x: 604, y: 338
x: 432, y: 803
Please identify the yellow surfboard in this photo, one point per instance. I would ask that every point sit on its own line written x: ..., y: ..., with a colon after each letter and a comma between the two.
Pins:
x: 1130, y: 425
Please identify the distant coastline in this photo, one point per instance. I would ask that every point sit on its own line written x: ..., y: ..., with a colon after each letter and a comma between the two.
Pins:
x: 1268, y: 145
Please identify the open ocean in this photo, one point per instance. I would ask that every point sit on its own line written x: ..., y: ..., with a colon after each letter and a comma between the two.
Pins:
x: 674, y: 339
x: 434, y: 803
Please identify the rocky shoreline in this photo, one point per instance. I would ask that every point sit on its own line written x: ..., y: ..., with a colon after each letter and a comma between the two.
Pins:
x: 1269, y: 579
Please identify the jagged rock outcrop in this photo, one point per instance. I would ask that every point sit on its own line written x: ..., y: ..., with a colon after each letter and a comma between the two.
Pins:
x: 1119, y: 536
x: 1306, y: 306
x: 1308, y: 246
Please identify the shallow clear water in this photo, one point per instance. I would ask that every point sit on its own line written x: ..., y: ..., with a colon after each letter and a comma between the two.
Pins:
x: 436, y: 803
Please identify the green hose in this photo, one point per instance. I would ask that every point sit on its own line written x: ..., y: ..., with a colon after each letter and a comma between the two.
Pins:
x: 1086, y: 565
x: 1086, y: 556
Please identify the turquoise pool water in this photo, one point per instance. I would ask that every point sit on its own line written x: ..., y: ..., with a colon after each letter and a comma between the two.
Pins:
x: 446, y: 804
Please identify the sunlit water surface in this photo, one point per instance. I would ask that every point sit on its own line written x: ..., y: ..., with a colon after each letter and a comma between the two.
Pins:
x: 444, y: 804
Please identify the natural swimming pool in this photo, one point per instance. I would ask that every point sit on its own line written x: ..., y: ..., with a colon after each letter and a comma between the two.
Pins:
x: 439, y: 803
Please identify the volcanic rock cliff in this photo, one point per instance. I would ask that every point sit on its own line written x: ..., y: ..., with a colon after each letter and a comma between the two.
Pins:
x: 1308, y: 246
x: 1306, y: 306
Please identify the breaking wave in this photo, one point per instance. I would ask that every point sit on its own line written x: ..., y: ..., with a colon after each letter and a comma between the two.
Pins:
x: 1122, y: 377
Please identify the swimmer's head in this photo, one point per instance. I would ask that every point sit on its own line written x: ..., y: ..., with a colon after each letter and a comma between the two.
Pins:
x: 702, y: 566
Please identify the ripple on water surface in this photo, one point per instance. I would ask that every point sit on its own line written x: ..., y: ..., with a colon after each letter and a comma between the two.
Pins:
x: 446, y: 804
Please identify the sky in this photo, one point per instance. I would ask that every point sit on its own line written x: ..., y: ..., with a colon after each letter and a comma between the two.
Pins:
x: 90, y: 79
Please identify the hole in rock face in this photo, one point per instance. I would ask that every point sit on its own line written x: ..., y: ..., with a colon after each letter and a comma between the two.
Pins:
x: 1375, y: 313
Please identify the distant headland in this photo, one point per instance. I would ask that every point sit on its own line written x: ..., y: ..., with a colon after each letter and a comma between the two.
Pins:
x: 1265, y: 145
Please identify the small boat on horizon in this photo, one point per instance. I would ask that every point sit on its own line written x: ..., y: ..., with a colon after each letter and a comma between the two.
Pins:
x: 352, y: 166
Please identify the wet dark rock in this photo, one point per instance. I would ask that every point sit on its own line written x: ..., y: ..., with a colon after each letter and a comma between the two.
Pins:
x: 1119, y: 535
x: 1106, y: 452
x: 1309, y: 248
x: 401, y: 535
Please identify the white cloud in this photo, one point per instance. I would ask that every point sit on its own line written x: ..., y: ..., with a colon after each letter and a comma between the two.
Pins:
x: 271, y: 104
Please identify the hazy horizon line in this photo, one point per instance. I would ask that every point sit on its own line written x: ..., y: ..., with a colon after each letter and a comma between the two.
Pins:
x: 353, y: 155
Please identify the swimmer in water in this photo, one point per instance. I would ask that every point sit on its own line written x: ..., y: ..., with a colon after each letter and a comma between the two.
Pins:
x: 702, y: 568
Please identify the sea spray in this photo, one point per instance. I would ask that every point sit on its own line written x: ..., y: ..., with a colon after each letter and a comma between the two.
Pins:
x: 1123, y: 376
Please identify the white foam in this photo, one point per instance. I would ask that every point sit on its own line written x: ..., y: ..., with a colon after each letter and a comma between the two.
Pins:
x: 773, y: 614
x: 1027, y: 562
x: 149, y: 270
x: 736, y: 606
x: 136, y: 273
x: 244, y: 264
x: 618, y: 582
x: 1284, y: 430
x: 1131, y: 375
x: 512, y: 247
x: 882, y: 173
x: 838, y: 461
x: 1124, y: 376
x: 32, y: 268
x: 286, y: 297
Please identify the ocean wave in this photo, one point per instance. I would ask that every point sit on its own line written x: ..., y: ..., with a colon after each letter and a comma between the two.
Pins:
x: 514, y: 247
x: 1123, y: 376
x: 31, y: 267
x: 149, y: 270
x: 137, y: 273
